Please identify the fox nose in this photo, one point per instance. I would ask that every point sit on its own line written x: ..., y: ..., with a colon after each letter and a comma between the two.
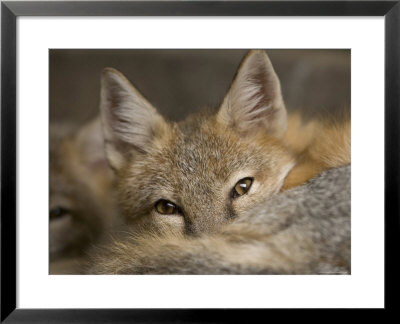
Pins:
x: 197, y: 228
x: 208, y: 221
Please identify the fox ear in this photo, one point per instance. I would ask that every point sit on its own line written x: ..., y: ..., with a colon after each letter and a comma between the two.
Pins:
x: 254, y: 100
x: 130, y: 122
x: 90, y: 144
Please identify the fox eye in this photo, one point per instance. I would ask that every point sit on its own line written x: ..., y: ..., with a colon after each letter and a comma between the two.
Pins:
x: 166, y: 207
x: 58, y: 212
x: 241, y: 187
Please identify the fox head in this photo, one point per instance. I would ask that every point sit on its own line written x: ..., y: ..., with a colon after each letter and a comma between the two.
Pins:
x: 81, y: 204
x: 207, y: 169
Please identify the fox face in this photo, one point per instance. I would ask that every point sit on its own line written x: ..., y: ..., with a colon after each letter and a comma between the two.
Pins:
x: 207, y: 169
x: 81, y: 204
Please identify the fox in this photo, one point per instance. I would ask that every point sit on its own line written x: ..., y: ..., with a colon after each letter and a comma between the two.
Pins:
x: 303, y: 230
x: 81, y: 203
x: 209, y: 169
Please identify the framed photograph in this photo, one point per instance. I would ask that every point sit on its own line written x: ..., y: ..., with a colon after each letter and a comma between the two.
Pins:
x: 67, y: 69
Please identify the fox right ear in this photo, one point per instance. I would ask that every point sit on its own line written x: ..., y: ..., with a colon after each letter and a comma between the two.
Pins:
x: 254, y: 101
x: 129, y: 121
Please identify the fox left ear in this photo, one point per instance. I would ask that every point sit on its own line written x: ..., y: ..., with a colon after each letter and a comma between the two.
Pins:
x: 254, y: 100
x: 130, y: 122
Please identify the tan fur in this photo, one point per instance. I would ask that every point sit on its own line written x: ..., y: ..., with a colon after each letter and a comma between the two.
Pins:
x: 229, y: 244
x: 81, y: 183
x: 319, y: 144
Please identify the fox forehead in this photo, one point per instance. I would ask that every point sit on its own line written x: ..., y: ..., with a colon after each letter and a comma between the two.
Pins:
x: 199, y: 156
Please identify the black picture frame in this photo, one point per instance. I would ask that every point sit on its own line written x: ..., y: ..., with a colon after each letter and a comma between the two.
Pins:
x: 11, y: 10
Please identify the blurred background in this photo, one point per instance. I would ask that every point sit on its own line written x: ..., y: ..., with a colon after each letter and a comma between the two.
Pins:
x: 179, y: 82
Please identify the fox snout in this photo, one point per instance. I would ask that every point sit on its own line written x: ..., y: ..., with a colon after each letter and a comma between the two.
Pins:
x: 207, y: 219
